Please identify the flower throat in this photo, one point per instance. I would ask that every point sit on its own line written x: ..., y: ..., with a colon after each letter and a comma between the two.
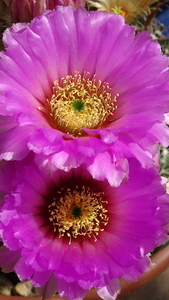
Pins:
x: 79, y: 102
x: 78, y: 212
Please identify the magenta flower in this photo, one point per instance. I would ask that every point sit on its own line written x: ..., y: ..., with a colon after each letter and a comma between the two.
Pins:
x: 26, y: 10
x: 68, y: 232
x: 81, y: 87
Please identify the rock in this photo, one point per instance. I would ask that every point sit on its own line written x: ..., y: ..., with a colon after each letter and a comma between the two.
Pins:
x: 5, y: 285
x: 25, y: 289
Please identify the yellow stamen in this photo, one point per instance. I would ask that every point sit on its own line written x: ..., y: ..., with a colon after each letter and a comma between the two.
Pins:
x: 78, y: 212
x: 79, y: 102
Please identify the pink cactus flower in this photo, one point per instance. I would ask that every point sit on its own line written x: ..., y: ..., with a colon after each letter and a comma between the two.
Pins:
x: 68, y: 232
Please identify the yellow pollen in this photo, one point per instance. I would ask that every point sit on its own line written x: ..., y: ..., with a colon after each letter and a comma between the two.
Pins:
x: 79, y: 102
x: 78, y: 212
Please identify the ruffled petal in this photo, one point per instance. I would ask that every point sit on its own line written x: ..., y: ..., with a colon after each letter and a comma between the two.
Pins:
x: 103, y: 167
x: 70, y: 290
x: 110, y: 291
x: 8, y: 259
x: 49, y: 289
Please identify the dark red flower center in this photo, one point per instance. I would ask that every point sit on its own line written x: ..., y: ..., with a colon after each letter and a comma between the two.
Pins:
x: 78, y: 211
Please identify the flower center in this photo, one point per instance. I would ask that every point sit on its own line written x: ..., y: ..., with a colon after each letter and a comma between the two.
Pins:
x: 79, y: 102
x: 78, y: 105
x: 118, y: 10
x: 78, y: 212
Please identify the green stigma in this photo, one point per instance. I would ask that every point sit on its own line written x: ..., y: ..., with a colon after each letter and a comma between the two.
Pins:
x: 76, y: 212
x: 78, y: 105
x: 117, y: 10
